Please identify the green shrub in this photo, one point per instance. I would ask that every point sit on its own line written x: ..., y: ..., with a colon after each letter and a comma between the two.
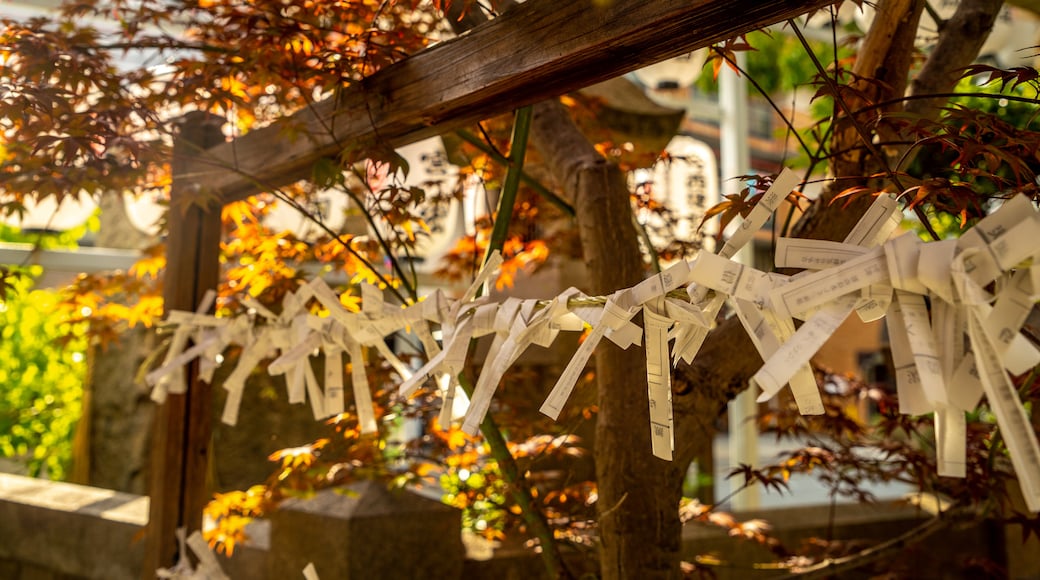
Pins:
x: 41, y: 381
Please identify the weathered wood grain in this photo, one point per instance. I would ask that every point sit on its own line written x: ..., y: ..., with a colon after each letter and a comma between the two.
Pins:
x: 538, y: 50
x: 183, y: 424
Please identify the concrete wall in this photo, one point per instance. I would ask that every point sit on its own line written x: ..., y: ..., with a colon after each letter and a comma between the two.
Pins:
x: 59, y: 531
x: 68, y: 531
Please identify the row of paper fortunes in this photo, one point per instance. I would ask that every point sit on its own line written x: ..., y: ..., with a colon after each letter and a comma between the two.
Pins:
x: 952, y: 340
x: 208, y: 567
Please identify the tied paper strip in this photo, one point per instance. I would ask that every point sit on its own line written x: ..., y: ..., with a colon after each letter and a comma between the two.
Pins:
x: 333, y: 379
x: 826, y: 286
x: 172, y: 378
x: 1015, y: 426
x: 746, y: 289
x: 235, y: 384
x: 951, y: 440
x: 297, y: 353
x: 795, y: 353
x: 938, y: 368
x: 1006, y: 237
x: 912, y: 400
x: 613, y: 318
x: 448, y: 385
x: 921, y: 341
x: 813, y: 254
x: 1004, y: 323
x: 768, y: 338
x: 456, y: 334
x: 760, y: 214
x: 362, y: 394
x: 877, y: 224
x: 659, y: 381
x: 951, y: 429
x: 507, y: 326
x: 688, y: 343
x: 842, y: 268
x: 208, y: 567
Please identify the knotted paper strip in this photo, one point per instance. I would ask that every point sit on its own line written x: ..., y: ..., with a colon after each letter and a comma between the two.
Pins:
x: 927, y: 293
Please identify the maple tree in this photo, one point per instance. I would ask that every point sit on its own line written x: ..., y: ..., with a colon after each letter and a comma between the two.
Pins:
x: 75, y: 121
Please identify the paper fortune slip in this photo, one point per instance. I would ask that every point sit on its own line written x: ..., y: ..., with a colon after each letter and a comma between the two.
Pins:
x: 954, y: 312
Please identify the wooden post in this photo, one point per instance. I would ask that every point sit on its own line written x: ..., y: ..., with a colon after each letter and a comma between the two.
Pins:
x: 183, y: 424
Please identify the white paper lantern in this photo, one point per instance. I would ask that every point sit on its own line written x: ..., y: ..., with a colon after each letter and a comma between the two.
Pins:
x: 688, y: 183
x: 330, y: 206
x: 144, y: 211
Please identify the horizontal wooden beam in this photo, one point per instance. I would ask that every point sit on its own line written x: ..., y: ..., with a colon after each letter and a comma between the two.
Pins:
x: 537, y: 50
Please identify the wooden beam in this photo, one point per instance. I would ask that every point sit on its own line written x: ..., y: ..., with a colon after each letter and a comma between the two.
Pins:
x: 537, y: 50
x: 183, y: 424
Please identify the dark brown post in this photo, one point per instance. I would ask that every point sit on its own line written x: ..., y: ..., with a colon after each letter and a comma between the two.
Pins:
x: 181, y: 436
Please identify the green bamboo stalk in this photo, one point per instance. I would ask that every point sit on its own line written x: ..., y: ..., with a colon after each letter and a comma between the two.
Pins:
x: 507, y: 197
x: 524, y: 176
x: 521, y: 492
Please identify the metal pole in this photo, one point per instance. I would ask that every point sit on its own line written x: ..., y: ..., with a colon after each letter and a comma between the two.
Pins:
x: 735, y: 159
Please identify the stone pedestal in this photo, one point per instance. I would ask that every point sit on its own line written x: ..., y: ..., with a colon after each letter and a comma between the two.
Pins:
x: 366, y: 531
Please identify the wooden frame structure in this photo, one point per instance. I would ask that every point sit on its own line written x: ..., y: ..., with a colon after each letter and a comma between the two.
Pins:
x: 538, y: 50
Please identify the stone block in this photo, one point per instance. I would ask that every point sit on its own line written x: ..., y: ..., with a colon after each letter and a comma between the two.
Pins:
x: 70, y: 530
x: 365, y: 531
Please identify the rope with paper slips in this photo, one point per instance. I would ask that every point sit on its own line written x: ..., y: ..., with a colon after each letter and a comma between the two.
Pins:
x: 937, y: 369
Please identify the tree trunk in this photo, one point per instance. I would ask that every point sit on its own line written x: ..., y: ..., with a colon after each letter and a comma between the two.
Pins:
x: 638, y: 493
x: 881, y: 69
x: 962, y: 38
x: 885, y: 56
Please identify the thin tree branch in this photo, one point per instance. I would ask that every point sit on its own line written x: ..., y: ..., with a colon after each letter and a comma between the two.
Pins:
x: 765, y: 95
x: 947, y: 96
x: 285, y: 197
x: 395, y: 264
x: 835, y: 566
x: 863, y: 133
x: 532, y: 515
x: 645, y: 236
x: 489, y: 141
